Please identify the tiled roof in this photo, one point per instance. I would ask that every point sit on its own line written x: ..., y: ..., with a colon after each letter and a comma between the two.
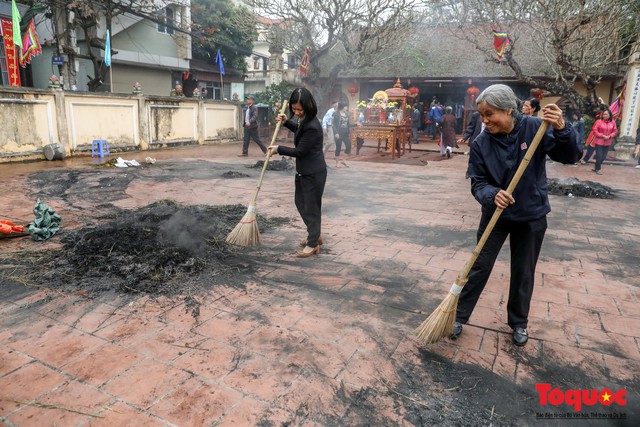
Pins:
x: 439, y: 53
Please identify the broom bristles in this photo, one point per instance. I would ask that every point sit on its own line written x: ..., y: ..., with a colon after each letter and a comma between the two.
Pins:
x: 439, y: 323
x: 246, y: 233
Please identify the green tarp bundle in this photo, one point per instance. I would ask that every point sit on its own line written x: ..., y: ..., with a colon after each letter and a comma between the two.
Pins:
x: 46, y: 224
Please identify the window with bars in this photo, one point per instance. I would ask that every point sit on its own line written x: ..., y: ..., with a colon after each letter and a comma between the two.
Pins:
x: 167, y: 18
x: 4, y: 69
x: 214, y: 92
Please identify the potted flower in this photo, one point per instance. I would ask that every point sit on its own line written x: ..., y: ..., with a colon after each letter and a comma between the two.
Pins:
x: 361, y: 107
x: 54, y: 82
x: 235, y: 96
x: 137, y: 88
x: 196, y: 93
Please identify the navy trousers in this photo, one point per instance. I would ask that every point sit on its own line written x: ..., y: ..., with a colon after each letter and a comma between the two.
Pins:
x: 525, y: 239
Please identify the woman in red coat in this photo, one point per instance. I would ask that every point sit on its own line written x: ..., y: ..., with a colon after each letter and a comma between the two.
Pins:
x: 605, y: 130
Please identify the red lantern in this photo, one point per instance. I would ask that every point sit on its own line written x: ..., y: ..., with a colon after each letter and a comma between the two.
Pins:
x: 353, y: 89
x: 414, y: 91
x: 473, y: 92
x: 539, y: 93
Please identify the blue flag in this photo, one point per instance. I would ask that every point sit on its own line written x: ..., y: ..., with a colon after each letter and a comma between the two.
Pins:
x: 107, y: 51
x: 219, y: 62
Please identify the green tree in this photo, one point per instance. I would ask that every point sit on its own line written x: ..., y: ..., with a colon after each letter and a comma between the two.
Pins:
x: 219, y: 24
x: 274, y: 95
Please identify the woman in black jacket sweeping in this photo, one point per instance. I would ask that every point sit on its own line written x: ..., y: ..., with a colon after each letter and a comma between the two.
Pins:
x: 494, y: 158
x: 310, y: 165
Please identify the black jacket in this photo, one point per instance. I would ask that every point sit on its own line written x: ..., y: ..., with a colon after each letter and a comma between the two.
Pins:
x: 307, y: 146
x: 494, y: 159
x: 474, y: 127
x: 253, y: 117
x: 415, y: 119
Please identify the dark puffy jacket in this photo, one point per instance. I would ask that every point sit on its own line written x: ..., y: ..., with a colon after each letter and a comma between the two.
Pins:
x: 494, y: 158
x: 307, y: 147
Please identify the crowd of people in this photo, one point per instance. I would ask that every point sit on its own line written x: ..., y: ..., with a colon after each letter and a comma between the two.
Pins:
x: 441, y: 124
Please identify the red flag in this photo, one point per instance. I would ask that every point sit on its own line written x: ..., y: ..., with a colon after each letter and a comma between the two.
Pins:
x: 304, y: 64
x: 30, y: 45
x: 500, y: 42
x: 617, y: 104
x: 12, y: 53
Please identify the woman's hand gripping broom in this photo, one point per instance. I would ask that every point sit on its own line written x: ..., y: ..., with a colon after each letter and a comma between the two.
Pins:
x: 247, y: 233
x: 439, y: 323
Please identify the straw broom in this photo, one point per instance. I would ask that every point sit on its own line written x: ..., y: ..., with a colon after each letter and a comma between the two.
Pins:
x: 440, y: 323
x: 247, y: 233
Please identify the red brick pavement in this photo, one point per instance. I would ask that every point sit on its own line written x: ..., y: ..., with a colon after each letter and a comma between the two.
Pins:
x: 287, y: 347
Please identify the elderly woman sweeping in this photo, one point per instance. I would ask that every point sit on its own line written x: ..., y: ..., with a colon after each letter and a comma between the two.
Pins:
x: 494, y: 157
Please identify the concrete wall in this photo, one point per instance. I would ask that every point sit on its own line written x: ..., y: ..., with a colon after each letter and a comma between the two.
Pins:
x: 32, y: 119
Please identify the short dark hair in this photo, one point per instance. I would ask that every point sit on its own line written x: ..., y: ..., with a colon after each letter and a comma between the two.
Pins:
x: 535, y: 104
x: 303, y: 97
x: 342, y: 104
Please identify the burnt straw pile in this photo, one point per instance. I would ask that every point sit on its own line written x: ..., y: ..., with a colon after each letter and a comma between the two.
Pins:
x: 164, y: 248
x: 575, y: 187
x: 284, y: 164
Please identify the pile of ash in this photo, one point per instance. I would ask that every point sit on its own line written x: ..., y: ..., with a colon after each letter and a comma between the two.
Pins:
x: 164, y: 248
x: 575, y: 187
x: 234, y: 174
x: 283, y: 164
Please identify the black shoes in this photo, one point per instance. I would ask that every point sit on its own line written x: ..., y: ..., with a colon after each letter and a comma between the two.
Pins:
x: 456, y: 331
x: 520, y: 336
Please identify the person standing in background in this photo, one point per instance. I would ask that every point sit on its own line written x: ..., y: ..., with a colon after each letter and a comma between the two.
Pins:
x: 341, y: 132
x: 251, y: 128
x: 415, y: 124
x: 474, y: 127
x: 636, y: 152
x: 531, y: 106
x: 578, y: 125
x: 435, y: 116
x: 327, y: 127
x: 448, y: 139
x: 604, y: 129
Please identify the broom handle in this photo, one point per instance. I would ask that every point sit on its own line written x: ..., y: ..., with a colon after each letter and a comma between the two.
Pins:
x: 462, y: 277
x: 266, y: 159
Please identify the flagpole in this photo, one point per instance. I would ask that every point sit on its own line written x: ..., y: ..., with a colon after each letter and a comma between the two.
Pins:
x: 111, y: 79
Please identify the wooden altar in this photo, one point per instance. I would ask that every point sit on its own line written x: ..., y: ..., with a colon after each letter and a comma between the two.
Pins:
x: 388, y: 118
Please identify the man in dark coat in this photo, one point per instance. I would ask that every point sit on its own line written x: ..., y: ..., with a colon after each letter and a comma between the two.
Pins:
x: 474, y: 127
x: 415, y: 124
x: 251, y: 128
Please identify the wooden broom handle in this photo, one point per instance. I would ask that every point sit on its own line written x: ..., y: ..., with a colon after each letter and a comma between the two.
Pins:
x: 462, y: 277
x: 268, y: 155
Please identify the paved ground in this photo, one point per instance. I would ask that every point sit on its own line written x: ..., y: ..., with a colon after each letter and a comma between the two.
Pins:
x: 324, y: 341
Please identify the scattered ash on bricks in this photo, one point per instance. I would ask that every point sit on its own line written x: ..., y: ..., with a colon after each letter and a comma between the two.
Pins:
x: 161, y: 249
x: 575, y: 187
